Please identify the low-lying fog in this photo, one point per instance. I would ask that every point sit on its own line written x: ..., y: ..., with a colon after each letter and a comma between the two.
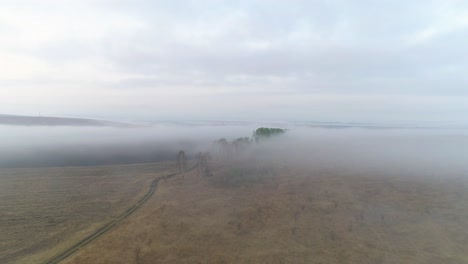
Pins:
x: 423, y: 152
x: 432, y: 151
x: 24, y: 146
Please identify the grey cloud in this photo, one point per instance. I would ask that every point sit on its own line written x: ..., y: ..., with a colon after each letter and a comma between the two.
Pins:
x: 382, y: 53
x: 260, y: 47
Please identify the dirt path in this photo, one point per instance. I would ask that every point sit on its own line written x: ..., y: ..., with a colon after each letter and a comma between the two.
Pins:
x: 108, y: 226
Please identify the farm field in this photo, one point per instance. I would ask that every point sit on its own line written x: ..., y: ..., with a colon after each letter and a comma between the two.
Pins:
x: 233, y: 132
x: 43, y: 211
x: 251, y: 213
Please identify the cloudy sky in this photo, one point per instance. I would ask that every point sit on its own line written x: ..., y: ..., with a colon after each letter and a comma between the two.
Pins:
x: 390, y: 61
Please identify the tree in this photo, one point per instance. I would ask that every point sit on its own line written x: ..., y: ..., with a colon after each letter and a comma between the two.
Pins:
x: 222, y: 147
x: 265, y: 132
x: 240, y: 143
x: 181, y: 161
x: 202, y: 164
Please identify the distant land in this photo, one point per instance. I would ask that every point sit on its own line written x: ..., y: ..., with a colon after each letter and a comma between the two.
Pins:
x: 309, y: 124
x: 19, y: 120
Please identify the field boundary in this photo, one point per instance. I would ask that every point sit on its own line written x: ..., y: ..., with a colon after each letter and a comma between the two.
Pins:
x: 85, y: 241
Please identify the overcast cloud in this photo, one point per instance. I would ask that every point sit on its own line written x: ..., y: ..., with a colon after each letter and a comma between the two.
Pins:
x: 362, y: 61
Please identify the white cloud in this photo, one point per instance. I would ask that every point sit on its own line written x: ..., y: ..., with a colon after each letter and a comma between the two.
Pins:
x: 247, y: 59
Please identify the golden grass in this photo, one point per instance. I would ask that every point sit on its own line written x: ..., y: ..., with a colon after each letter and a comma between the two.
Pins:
x: 44, y: 211
x: 292, y: 215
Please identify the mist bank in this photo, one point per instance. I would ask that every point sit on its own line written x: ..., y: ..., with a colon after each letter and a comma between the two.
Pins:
x: 22, y: 120
x: 416, y: 152
x: 353, y: 150
x: 84, y: 146
x: 17, y: 120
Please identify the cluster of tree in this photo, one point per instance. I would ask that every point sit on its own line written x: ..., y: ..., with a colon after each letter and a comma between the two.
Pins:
x: 202, y: 164
x: 226, y: 148
x: 265, y: 132
x: 236, y: 143
x: 257, y: 135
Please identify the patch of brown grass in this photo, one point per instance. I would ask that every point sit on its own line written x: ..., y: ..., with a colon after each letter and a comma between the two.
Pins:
x: 292, y: 216
x: 44, y: 211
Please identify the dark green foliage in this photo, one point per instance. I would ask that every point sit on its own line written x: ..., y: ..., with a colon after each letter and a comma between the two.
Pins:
x: 235, y: 147
x: 265, y: 132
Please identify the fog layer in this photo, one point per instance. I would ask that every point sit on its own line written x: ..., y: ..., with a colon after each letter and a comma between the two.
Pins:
x: 422, y: 152
x: 84, y: 146
x: 415, y: 151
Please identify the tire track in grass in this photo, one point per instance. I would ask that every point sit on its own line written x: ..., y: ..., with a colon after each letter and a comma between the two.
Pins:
x: 90, y: 238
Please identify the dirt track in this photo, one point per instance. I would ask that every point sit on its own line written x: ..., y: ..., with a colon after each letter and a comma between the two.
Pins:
x: 108, y: 226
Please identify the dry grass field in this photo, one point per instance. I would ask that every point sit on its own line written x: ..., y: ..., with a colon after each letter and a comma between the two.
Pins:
x: 44, y: 211
x: 279, y: 214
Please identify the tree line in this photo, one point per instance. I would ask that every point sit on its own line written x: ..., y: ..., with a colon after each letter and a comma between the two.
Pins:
x: 225, y: 148
x: 258, y: 135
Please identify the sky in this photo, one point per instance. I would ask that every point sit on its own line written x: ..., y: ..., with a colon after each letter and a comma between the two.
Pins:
x: 339, y: 61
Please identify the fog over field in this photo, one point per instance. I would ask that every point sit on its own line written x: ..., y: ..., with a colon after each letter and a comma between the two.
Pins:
x: 245, y: 131
x: 422, y: 152
x: 431, y: 152
x: 76, y: 146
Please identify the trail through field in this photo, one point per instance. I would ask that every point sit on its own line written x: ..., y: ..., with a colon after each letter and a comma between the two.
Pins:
x: 113, y: 223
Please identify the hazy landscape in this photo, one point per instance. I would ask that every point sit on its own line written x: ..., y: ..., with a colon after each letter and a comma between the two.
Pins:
x: 310, y: 195
x: 18, y: 120
x: 44, y: 211
x: 292, y: 215
x: 246, y: 131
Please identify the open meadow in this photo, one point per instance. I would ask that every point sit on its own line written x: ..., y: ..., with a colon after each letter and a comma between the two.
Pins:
x: 233, y: 132
x: 311, y: 196
x: 272, y: 213
x: 43, y: 211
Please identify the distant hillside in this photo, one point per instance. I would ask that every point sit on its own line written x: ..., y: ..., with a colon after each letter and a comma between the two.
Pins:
x: 16, y: 120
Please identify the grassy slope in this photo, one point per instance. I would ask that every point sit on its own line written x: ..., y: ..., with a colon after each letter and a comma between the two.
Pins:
x: 291, y: 215
x: 43, y: 211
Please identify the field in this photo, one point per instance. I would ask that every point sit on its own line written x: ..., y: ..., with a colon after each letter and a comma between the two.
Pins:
x: 271, y: 213
x: 44, y: 211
